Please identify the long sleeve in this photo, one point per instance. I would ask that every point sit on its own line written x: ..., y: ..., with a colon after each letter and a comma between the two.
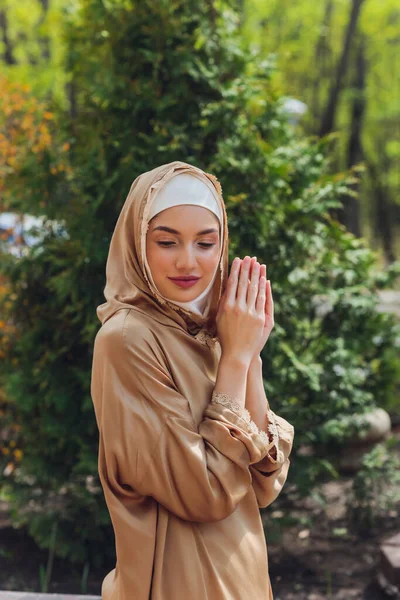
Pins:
x: 270, y: 473
x: 153, y: 446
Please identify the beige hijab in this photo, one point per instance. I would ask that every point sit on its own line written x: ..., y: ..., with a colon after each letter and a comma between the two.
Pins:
x: 127, y: 284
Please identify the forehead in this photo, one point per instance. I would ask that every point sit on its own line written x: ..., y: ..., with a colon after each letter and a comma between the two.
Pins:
x: 185, y: 217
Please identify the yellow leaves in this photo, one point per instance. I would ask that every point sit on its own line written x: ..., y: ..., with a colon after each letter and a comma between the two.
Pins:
x: 57, y: 169
x: 237, y: 198
x: 12, y: 161
x: 18, y: 454
x: 7, y: 110
x: 26, y: 127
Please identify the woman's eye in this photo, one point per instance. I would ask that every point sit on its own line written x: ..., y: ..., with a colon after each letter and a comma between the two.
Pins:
x: 202, y: 244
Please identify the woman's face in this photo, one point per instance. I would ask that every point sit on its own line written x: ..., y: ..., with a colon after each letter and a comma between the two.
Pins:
x: 183, y: 241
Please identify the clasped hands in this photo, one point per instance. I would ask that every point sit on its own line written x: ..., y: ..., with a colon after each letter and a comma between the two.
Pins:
x: 248, y: 264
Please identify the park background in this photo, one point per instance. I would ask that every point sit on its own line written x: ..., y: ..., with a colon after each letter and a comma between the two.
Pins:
x: 294, y: 106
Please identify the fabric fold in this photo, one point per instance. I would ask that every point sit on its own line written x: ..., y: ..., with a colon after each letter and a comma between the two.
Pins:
x: 198, y: 472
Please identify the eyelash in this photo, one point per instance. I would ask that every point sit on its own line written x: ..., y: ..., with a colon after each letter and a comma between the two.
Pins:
x: 204, y: 245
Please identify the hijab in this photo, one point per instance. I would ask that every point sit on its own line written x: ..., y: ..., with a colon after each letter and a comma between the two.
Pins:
x: 128, y: 285
x: 183, y: 189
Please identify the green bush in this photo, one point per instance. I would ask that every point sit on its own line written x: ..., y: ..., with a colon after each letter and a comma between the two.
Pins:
x: 376, y: 486
x: 151, y: 83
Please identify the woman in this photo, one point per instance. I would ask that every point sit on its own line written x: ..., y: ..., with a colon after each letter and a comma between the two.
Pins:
x: 189, y: 449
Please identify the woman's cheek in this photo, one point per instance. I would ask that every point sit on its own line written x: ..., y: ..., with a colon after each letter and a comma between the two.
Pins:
x: 210, y: 264
x: 164, y: 261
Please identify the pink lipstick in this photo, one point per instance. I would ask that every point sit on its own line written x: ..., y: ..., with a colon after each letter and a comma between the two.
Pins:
x: 184, y: 282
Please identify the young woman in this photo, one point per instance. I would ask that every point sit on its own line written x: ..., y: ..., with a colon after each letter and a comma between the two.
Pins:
x: 189, y: 449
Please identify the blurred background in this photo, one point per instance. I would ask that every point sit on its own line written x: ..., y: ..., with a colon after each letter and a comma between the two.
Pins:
x: 294, y: 106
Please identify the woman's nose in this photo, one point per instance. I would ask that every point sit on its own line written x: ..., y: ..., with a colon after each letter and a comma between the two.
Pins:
x: 186, y: 259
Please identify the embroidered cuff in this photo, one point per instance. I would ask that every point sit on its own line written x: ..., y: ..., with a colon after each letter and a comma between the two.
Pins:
x: 269, y: 439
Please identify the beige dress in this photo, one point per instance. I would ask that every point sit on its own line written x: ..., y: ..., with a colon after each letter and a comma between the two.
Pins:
x: 183, y: 475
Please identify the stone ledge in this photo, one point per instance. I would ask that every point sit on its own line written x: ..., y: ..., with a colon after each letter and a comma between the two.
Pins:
x: 5, y: 595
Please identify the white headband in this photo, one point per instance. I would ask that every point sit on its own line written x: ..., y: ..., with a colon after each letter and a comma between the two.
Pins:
x: 186, y: 188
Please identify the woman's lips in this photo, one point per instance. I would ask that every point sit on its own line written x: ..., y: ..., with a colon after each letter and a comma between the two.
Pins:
x: 182, y: 283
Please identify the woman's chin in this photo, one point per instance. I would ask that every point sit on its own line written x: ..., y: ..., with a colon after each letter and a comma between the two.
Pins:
x: 177, y: 294
x: 184, y: 296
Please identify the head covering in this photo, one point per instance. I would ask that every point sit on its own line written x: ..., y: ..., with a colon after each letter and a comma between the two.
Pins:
x: 183, y: 189
x: 127, y: 282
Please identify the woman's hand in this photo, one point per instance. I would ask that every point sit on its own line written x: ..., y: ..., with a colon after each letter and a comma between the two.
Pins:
x: 241, y: 312
x: 269, y: 309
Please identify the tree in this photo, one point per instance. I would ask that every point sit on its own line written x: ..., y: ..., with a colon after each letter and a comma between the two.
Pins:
x: 328, y: 119
x: 317, y: 62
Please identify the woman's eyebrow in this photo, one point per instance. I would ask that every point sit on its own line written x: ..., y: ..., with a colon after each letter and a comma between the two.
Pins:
x: 170, y: 230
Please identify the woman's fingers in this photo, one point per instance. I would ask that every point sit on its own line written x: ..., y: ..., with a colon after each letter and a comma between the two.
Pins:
x: 243, y: 281
x: 231, y: 284
x: 260, y: 302
x: 253, y: 261
x: 253, y: 286
x: 269, y: 310
x: 263, y: 273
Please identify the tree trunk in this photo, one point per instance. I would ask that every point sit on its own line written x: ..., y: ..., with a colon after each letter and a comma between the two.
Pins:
x: 382, y: 212
x: 328, y: 120
x: 8, y: 54
x: 322, y: 50
x: 44, y: 39
x: 351, y: 216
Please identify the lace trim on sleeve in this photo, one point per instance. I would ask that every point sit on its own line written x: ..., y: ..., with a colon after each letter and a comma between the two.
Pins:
x: 266, y: 437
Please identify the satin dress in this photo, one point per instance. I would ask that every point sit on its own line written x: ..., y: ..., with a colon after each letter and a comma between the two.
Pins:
x: 184, y: 475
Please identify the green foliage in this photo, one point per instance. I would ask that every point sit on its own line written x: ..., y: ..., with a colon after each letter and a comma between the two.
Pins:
x: 376, y: 486
x: 34, y: 30
x: 150, y: 83
x: 306, y: 40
